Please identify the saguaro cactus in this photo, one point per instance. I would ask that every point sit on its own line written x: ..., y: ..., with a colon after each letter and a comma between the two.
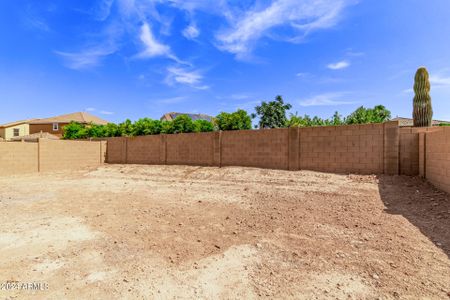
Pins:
x: 423, y: 112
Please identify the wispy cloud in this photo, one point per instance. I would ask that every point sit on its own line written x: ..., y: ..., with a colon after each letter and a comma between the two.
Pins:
x: 327, y: 99
x: 240, y: 96
x: 191, y: 32
x: 192, y: 78
x: 105, y: 112
x: 352, y: 53
x: 339, y: 65
x: 103, y: 9
x: 34, y: 19
x: 85, y: 59
x: 303, y: 75
x: 172, y: 100
x: 408, y: 91
x: 152, y: 46
x: 439, y: 81
x: 303, y: 16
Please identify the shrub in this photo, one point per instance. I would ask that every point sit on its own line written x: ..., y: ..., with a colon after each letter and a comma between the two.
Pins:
x: 95, y: 131
x: 182, y: 124
x: 203, y: 126
x: 146, y: 126
x: 126, y: 128
x: 378, y: 114
x: 237, y: 120
x: 111, y: 130
x: 362, y: 115
x: 167, y: 127
x: 74, y: 130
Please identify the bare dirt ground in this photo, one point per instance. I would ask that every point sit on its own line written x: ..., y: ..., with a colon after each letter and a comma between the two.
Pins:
x: 191, y: 232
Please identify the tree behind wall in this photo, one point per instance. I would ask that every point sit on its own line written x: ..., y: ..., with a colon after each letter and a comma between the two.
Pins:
x: 272, y: 114
x: 362, y: 115
x: 238, y: 120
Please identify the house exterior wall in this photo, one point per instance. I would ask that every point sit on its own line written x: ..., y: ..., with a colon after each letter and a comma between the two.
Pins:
x: 8, y: 132
x: 36, y: 128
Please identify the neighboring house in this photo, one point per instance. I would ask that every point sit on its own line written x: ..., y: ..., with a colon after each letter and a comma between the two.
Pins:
x: 55, y: 125
x: 172, y: 115
x: 14, y: 129
x: 407, y: 122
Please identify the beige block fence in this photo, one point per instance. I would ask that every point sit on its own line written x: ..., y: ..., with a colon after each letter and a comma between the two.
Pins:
x: 362, y: 149
x: 365, y: 149
x: 49, y: 155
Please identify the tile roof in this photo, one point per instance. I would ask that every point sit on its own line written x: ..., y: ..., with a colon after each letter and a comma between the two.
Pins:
x: 80, y: 117
x: 10, y: 124
x: 172, y: 115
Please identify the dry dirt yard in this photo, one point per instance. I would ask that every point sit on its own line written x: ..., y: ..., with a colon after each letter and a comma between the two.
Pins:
x: 139, y: 232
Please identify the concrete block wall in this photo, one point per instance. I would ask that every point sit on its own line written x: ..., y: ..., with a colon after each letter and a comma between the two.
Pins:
x: 267, y: 148
x: 141, y: 150
x: 116, y: 152
x: 18, y: 158
x: 391, y: 143
x: 437, y: 158
x: 49, y: 155
x: 409, y: 150
x: 57, y: 155
x: 342, y: 149
x: 190, y: 149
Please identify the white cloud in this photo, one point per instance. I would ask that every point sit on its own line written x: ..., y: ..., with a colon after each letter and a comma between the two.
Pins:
x: 105, y: 112
x: 326, y: 99
x: 438, y: 80
x: 303, y: 75
x: 185, y: 77
x: 339, y: 65
x: 408, y: 91
x: 240, y: 96
x: 191, y: 32
x: 303, y: 16
x: 355, y: 54
x: 152, y: 46
x: 32, y: 18
x: 172, y: 100
x: 85, y: 59
x: 103, y: 9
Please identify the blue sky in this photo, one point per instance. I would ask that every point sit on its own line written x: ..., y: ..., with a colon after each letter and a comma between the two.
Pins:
x: 141, y: 58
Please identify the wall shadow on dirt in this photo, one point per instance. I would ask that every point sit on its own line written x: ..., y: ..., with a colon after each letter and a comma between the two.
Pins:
x: 421, y: 204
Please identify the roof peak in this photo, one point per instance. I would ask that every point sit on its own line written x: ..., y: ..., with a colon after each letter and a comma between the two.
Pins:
x: 80, y: 117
